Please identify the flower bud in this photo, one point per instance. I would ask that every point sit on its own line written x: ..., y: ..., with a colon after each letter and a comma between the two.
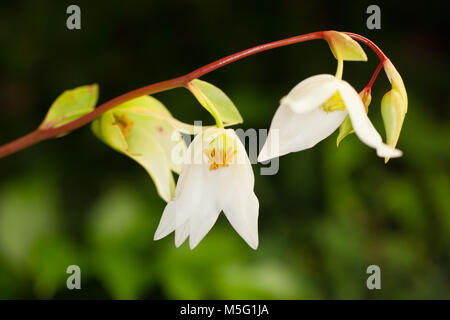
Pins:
x: 393, y: 110
x: 396, y: 81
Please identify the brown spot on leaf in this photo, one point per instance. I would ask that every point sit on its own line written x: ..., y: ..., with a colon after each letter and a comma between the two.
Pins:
x: 160, y: 129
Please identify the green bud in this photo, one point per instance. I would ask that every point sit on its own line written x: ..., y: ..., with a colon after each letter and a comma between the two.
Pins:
x: 393, y: 110
x: 396, y: 81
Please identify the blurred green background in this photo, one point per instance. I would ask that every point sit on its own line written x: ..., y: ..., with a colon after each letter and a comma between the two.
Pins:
x: 327, y: 215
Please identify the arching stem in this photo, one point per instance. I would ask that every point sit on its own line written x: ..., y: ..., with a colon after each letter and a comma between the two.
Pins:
x: 47, y: 133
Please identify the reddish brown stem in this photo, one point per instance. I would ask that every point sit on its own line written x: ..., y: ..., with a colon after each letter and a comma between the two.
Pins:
x: 374, y: 76
x: 43, y: 134
x: 375, y: 49
x: 370, y: 44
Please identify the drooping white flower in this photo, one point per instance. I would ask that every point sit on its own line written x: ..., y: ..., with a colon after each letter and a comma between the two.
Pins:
x: 216, y: 175
x: 312, y: 111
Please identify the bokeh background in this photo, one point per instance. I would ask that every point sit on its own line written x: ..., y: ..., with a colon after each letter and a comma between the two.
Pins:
x: 327, y: 215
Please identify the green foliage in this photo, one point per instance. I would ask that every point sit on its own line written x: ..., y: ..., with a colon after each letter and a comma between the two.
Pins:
x: 117, y: 231
x: 27, y: 213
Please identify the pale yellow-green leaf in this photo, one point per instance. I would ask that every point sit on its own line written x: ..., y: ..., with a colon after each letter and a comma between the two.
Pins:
x: 71, y: 105
x: 149, y: 106
x: 105, y: 129
x: 145, y: 150
x: 144, y: 104
x: 165, y: 134
x: 153, y: 141
x: 215, y: 101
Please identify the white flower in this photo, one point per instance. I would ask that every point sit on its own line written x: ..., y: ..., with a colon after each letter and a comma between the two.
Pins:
x: 216, y: 175
x: 312, y: 111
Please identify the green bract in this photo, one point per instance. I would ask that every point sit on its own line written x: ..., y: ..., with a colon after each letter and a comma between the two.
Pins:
x: 144, y: 130
x: 216, y: 102
x: 346, y: 127
x: 71, y: 105
x: 343, y: 47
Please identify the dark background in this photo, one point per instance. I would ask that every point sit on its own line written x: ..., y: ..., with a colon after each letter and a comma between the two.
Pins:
x: 327, y: 215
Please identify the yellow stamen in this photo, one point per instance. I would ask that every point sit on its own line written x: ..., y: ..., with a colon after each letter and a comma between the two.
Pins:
x: 334, y: 103
x: 220, y: 159
x: 123, y: 123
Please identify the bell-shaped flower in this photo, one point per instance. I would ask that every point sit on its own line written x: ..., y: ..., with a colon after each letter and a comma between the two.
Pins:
x: 312, y: 111
x: 216, y: 175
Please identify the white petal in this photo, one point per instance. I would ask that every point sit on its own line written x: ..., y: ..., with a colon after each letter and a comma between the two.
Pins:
x: 291, y: 132
x: 167, y: 222
x: 385, y: 151
x: 361, y: 123
x: 201, y: 224
x: 196, y: 190
x: 311, y: 93
x: 181, y: 234
x: 242, y: 213
x: 239, y: 202
x: 241, y: 159
x: 189, y: 192
x: 271, y: 147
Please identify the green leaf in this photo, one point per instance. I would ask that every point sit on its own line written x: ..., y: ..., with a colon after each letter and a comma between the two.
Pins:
x: 153, y: 141
x: 71, y: 105
x: 149, y: 106
x: 215, y: 101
